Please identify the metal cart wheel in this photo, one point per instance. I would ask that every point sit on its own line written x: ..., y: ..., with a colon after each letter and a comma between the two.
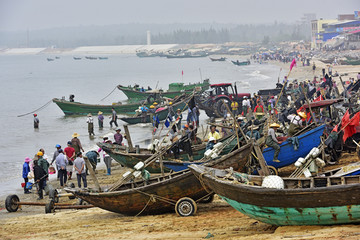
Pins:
x: 50, y: 207
x: 273, y: 171
x: 11, y: 203
x: 185, y: 207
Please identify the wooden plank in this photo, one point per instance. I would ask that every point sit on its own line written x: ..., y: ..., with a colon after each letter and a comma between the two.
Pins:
x: 128, y: 138
x: 261, y: 159
x: 92, y: 174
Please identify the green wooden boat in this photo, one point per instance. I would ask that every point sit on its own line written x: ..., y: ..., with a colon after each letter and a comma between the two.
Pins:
x: 162, y: 113
x: 302, y: 201
x: 175, y: 89
x: 128, y: 159
x: 77, y: 108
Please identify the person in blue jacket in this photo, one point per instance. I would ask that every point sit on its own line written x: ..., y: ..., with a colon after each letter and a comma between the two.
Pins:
x: 25, y: 172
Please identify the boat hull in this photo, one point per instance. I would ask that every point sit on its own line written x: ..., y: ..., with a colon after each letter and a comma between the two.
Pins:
x: 299, y: 205
x: 76, y: 108
x: 171, y: 93
x: 162, y: 115
x: 282, y: 216
x: 147, y: 199
x: 131, y: 159
x: 288, y: 155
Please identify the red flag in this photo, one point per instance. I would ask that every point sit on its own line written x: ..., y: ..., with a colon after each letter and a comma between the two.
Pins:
x: 348, y: 125
x: 293, y: 63
x: 182, y: 72
x: 319, y: 98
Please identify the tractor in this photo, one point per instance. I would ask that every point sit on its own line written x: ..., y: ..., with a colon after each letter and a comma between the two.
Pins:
x: 213, y: 99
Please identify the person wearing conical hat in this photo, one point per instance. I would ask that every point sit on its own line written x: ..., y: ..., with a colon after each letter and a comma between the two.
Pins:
x: 101, y: 119
x: 90, y: 122
x: 296, y: 122
x: 76, y: 144
x: 271, y: 140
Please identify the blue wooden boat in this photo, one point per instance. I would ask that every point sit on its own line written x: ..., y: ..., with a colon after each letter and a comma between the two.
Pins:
x: 302, y: 201
x: 288, y: 155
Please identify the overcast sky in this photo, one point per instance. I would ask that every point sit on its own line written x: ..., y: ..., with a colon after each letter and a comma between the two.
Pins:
x: 40, y: 14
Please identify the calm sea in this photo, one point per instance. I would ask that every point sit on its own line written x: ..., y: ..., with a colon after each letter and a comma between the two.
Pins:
x: 29, y: 82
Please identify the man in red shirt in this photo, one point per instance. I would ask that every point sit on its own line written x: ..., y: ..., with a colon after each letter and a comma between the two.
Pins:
x: 70, y: 154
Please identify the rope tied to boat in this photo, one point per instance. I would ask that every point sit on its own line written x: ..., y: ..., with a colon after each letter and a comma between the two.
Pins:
x: 36, y: 110
x: 201, y: 180
x: 151, y: 199
x: 108, y: 94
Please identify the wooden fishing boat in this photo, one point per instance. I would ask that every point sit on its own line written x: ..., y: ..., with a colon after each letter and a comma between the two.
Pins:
x: 243, y: 63
x: 130, y: 159
x: 222, y: 59
x: 288, y: 155
x: 178, y: 165
x: 348, y: 170
x: 77, y: 108
x: 159, y: 194
x: 162, y: 113
x: 175, y: 89
x: 303, y: 201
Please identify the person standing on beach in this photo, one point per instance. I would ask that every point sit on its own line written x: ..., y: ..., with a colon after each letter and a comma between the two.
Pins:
x: 79, y: 165
x: 90, y: 122
x: 39, y: 176
x: 61, y: 162
x: 25, y: 172
x: 100, y: 119
x: 76, y: 144
x: 314, y: 68
x: 113, y: 118
x: 234, y: 108
x: 70, y: 155
x: 118, y: 137
x: 42, y: 162
x: 36, y: 121
x: 56, y: 153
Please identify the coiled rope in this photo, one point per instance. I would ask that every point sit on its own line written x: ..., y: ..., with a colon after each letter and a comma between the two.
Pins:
x: 40, y: 108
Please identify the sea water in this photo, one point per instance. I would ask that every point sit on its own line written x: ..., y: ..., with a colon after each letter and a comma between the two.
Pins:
x: 30, y: 81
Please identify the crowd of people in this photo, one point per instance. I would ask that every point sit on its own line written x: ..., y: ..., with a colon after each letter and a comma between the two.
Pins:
x: 65, y: 162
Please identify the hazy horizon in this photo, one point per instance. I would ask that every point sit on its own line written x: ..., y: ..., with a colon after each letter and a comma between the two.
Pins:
x: 20, y: 15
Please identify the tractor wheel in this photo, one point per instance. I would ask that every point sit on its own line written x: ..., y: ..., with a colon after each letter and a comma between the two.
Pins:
x: 210, y: 113
x: 220, y: 108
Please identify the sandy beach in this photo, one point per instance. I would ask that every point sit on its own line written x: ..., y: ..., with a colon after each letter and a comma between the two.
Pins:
x: 216, y: 220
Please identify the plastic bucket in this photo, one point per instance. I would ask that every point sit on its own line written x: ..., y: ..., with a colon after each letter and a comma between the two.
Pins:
x: 29, y: 185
